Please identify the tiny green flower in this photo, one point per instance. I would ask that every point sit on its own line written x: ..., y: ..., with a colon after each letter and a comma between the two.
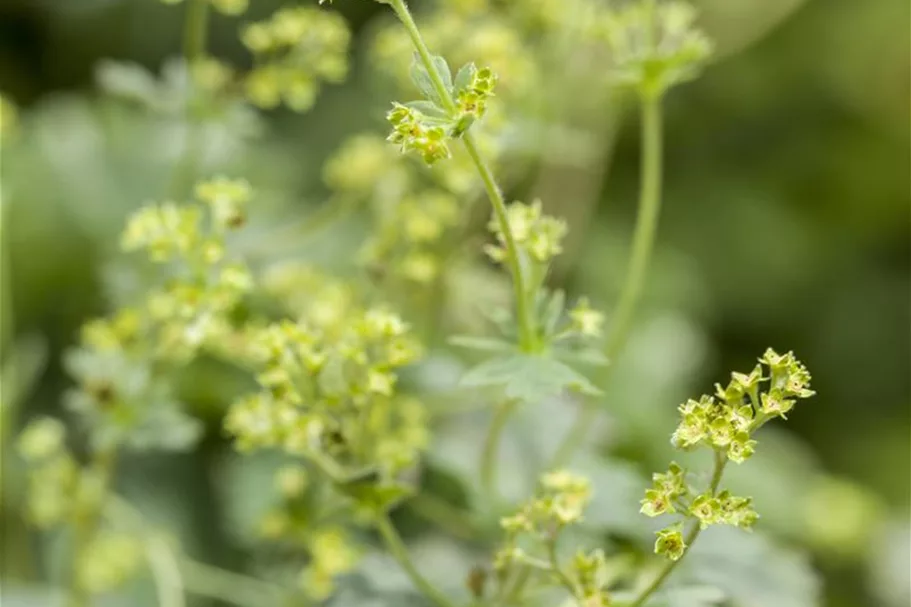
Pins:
x: 670, y: 543
x: 656, y: 503
x: 707, y: 509
x: 741, y: 448
x: 585, y: 320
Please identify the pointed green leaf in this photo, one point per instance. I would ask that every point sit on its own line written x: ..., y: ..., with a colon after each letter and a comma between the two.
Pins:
x: 528, y: 378
x: 464, y: 76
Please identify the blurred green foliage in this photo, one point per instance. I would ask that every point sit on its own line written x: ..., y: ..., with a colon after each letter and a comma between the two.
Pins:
x: 785, y: 223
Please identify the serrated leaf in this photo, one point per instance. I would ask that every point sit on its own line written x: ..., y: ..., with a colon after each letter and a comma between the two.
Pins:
x: 484, y: 344
x: 422, y: 80
x: 464, y: 76
x: 528, y: 378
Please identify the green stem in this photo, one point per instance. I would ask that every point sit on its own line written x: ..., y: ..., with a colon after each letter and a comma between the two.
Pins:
x: 637, y: 269
x: 561, y: 575
x: 196, y: 27
x: 646, y: 225
x: 491, y: 446
x: 721, y: 461
x: 195, y: 34
x: 397, y: 548
x: 528, y: 339
x: 86, y: 524
x: 226, y: 586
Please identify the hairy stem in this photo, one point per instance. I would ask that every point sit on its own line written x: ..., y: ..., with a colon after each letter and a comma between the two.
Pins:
x: 721, y: 461
x: 397, y: 548
x: 491, y: 446
x: 528, y: 338
x: 637, y: 269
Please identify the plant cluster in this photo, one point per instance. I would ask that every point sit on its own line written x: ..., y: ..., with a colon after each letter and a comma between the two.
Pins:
x: 329, y: 358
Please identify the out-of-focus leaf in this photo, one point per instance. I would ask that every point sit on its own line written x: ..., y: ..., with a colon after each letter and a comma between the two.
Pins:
x: 444, y: 563
x: 751, y: 570
x: 688, y: 596
x: 247, y: 491
x: 890, y: 564
x: 24, y: 365
x: 528, y: 378
x: 733, y: 26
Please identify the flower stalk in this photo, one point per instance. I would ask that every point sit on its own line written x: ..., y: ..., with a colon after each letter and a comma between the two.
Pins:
x: 528, y: 340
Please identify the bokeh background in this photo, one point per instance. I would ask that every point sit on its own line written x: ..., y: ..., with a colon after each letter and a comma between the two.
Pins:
x: 785, y: 224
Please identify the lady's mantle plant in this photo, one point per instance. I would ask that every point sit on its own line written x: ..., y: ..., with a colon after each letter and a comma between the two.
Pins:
x: 328, y: 356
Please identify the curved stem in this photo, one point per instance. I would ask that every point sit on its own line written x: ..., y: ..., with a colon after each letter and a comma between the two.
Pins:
x: 226, y: 586
x: 646, y: 225
x: 721, y: 461
x: 397, y: 548
x: 491, y: 446
x: 528, y: 339
x: 643, y: 243
x: 163, y: 563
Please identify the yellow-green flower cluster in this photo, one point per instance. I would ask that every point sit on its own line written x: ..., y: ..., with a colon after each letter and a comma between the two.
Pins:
x: 299, y: 523
x: 726, y: 421
x: 317, y: 299
x: 725, y: 424
x: 472, y: 99
x: 414, y: 131
x: 538, y: 236
x: 589, y: 576
x: 723, y: 509
x: 532, y: 535
x: 295, y: 50
x: 331, y: 394
x: 654, y: 47
x: 225, y: 7
x: 410, y: 240
x: 53, y: 475
x: 192, y: 309
x: 332, y: 553
x: 667, y: 489
x: 462, y: 36
x: 560, y: 501
x: 109, y: 560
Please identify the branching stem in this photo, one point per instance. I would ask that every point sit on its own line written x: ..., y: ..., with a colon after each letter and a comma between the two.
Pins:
x: 721, y: 461
x: 528, y: 338
x: 399, y: 552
